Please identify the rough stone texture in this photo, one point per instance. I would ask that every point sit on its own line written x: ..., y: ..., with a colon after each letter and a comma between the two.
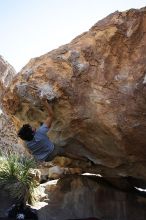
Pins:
x: 8, y: 136
x: 7, y: 72
x: 97, y: 87
x: 82, y: 197
x: 9, y: 141
x: 57, y: 172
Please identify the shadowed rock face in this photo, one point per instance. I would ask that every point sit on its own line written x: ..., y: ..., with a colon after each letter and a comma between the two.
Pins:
x: 9, y: 141
x: 81, y: 197
x: 5, y: 202
x: 97, y: 86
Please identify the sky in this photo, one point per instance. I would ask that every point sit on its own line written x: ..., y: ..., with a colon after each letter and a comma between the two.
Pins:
x: 31, y: 28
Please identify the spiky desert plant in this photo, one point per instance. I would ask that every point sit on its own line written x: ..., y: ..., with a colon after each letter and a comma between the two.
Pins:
x: 15, y: 177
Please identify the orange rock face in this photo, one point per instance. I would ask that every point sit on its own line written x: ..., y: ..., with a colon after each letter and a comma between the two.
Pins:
x: 97, y: 87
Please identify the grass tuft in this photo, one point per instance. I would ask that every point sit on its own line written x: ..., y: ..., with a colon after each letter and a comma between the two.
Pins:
x: 15, y: 177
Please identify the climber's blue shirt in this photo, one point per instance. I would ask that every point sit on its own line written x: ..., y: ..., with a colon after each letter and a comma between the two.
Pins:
x: 40, y: 146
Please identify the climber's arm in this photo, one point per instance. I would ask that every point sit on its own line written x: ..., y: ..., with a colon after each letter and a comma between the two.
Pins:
x: 49, y: 119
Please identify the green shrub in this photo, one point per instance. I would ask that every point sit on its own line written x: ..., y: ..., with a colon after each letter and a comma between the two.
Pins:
x: 15, y: 177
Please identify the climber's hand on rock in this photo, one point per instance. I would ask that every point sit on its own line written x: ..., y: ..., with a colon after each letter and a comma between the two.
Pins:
x: 44, y: 102
x: 44, y: 99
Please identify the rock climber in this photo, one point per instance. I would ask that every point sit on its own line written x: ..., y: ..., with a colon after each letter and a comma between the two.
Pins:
x: 38, y: 143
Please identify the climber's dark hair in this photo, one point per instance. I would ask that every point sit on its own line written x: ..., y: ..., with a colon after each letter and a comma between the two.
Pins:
x: 26, y: 133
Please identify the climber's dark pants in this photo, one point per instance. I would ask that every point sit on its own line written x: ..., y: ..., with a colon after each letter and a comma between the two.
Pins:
x: 58, y: 151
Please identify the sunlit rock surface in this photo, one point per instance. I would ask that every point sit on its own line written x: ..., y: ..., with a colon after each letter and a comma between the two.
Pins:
x: 7, y: 72
x: 96, y: 85
x: 8, y: 133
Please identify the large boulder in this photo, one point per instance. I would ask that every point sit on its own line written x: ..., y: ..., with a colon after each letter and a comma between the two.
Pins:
x: 8, y: 133
x: 82, y: 197
x: 97, y: 86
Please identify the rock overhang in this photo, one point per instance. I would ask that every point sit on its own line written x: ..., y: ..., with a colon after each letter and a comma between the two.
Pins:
x: 96, y: 85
